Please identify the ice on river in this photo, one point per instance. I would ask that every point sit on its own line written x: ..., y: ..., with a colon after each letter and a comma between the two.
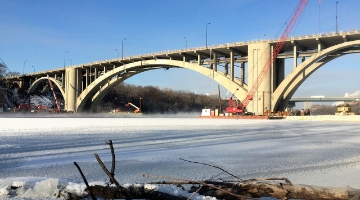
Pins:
x: 38, y: 150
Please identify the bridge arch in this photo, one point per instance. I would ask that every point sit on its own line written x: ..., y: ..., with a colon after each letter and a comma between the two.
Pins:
x: 292, y: 82
x: 96, y: 91
x: 37, y: 82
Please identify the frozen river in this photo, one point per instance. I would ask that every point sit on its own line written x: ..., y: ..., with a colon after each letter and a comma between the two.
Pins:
x: 306, y: 152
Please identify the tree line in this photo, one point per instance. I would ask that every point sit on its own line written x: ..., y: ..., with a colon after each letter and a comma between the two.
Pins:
x: 330, y: 110
x: 156, y: 100
x: 4, y: 71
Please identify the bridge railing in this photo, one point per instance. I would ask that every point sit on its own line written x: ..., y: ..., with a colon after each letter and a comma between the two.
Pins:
x: 226, y: 45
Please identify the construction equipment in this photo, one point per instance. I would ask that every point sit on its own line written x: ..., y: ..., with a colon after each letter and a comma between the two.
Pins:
x: 344, y: 109
x: 137, y: 109
x: 234, y: 107
x: 276, y: 51
x: 56, y: 104
x: 40, y: 107
x: 23, y: 108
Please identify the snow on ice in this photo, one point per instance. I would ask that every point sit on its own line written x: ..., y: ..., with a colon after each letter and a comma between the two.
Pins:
x: 38, y: 153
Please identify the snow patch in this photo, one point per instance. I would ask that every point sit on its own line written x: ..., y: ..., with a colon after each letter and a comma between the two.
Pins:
x: 5, y: 187
x: 43, y: 189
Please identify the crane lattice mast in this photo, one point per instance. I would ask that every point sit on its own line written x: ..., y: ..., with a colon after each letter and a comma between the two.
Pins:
x: 300, y: 8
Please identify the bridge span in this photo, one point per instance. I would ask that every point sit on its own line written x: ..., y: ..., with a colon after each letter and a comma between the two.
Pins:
x: 83, y: 86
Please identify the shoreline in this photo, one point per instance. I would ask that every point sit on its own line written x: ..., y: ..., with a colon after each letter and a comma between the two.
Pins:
x: 353, y: 118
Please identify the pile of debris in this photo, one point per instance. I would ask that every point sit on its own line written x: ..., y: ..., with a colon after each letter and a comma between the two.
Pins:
x: 13, y: 100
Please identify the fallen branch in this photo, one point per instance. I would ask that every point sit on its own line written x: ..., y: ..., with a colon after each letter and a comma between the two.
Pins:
x: 280, y: 188
x: 86, y: 183
x: 126, y: 195
x: 113, y: 158
x: 234, y: 195
x: 212, y: 166
x: 137, y: 192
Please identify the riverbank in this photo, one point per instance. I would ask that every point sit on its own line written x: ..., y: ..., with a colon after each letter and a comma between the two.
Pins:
x: 325, y: 118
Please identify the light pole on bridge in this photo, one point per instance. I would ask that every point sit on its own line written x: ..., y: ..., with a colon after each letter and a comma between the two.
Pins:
x: 122, y: 48
x: 206, y: 33
x: 24, y: 66
x: 185, y: 43
x: 336, y: 18
x: 34, y: 68
x: 64, y: 58
x: 117, y: 52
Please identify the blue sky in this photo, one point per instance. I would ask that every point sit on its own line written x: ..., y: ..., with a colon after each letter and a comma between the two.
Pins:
x: 41, y: 31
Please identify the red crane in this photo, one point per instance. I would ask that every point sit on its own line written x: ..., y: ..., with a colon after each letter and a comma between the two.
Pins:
x: 56, y: 104
x: 300, y: 8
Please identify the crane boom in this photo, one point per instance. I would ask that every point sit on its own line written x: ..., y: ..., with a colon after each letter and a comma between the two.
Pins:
x: 137, y: 108
x: 56, y: 104
x: 276, y: 51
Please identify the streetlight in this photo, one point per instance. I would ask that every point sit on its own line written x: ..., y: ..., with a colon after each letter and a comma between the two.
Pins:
x: 206, y: 33
x: 117, y: 52
x: 64, y: 57
x: 336, y: 18
x: 24, y: 66
x: 34, y: 68
x: 185, y: 43
x: 70, y: 61
x: 122, y: 48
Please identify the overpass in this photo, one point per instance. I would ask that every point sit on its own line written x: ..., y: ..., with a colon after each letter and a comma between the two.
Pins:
x: 323, y: 99
x: 83, y: 86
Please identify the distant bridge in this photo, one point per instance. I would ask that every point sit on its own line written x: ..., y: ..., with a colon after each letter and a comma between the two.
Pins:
x: 84, y: 86
x: 323, y: 99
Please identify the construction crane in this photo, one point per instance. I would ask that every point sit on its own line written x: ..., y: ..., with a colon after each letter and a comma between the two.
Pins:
x: 300, y: 8
x: 137, y: 109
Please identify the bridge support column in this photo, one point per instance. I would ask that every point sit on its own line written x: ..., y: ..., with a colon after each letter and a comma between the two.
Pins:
x: 70, y: 89
x: 215, y: 62
x: 295, y: 56
x: 79, y: 78
x: 86, y: 77
x: 278, y: 73
x: 199, y: 59
x: 258, y: 55
x: 232, y: 65
x: 63, y: 80
x: 242, y: 72
x: 226, y: 69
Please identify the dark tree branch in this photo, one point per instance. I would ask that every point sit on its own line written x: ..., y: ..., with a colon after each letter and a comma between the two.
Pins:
x: 212, y: 166
x: 122, y: 189
x: 113, y: 158
x: 86, y: 183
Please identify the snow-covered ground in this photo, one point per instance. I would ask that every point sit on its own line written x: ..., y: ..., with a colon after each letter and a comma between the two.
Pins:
x: 307, y: 152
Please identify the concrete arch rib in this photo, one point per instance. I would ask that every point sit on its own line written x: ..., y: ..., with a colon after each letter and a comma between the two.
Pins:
x: 100, y: 94
x: 36, y: 83
x: 292, y: 82
x: 97, y: 89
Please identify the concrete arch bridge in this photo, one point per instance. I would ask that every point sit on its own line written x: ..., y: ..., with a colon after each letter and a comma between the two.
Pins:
x: 84, y: 86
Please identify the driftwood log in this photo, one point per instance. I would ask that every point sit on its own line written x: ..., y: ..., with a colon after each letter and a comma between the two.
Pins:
x: 239, y: 189
x: 280, y: 191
